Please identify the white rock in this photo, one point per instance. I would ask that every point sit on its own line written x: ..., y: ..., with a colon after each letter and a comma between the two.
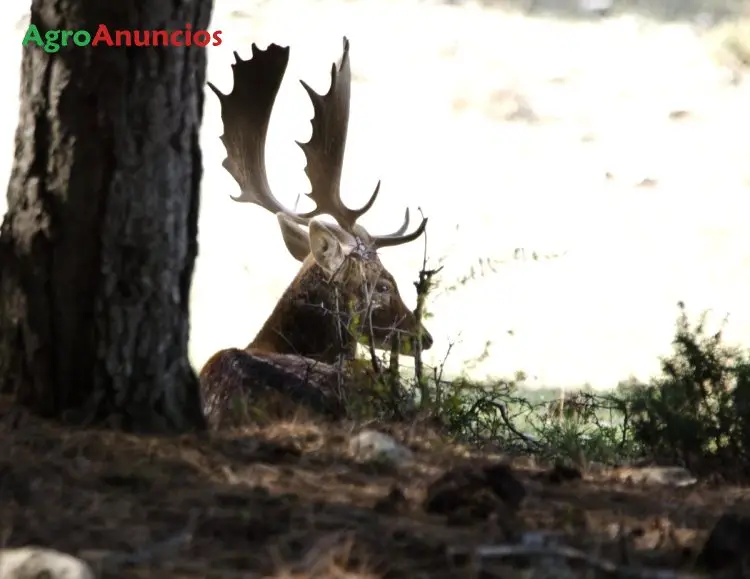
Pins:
x: 595, y: 5
x: 33, y: 562
x: 374, y: 445
x: 659, y: 475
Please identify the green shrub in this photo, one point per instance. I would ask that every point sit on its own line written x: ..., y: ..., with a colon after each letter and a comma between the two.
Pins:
x: 697, y: 411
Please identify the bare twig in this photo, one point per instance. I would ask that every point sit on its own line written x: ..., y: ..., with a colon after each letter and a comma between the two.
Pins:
x: 423, y: 285
x: 371, y: 340
x: 340, y: 338
x: 438, y: 376
x: 445, y: 359
x: 394, y: 376
x: 507, y: 421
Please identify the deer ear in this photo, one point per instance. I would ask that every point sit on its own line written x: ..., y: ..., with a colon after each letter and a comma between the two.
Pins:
x: 295, y: 237
x: 325, y: 247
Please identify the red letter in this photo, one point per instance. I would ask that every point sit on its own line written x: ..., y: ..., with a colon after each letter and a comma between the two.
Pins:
x: 188, y: 34
x: 217, y: 38
x: 120, y: 34
x: 138, y: 41
x: 156, y: 35
x: 174, y: 38
x: 102, y: 35
x: 201, y: 38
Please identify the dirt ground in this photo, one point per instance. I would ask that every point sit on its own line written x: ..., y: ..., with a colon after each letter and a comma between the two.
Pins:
x: 564, y: 135
x: 287, y: 500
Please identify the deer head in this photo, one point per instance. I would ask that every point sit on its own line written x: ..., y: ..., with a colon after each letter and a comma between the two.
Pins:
x: 342, y: 291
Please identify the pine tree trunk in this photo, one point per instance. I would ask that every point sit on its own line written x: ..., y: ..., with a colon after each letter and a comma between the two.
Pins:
x: 98, y: 246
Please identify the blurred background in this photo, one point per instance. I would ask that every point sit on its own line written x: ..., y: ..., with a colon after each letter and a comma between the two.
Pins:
x: 585, y: 165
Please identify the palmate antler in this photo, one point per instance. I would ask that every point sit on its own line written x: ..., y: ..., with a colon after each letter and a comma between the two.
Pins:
x: 246, y: 112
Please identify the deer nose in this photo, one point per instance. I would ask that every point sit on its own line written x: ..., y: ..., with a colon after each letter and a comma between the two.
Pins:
x: 426, y: 339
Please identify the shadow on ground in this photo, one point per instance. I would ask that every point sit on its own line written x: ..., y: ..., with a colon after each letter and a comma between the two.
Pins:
x: 288, y: 496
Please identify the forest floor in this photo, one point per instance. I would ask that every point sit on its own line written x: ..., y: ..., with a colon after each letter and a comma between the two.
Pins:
x: 288, y: 500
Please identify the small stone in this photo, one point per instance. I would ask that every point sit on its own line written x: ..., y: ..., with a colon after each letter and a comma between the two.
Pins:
x: 371, y: 445
x: 35, y: 562
x: 674, y: 476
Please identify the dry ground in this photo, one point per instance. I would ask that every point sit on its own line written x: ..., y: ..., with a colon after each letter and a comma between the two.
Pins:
x: 288, y: 501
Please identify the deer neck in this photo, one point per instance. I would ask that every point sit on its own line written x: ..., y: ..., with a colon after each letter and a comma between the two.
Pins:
x: 311, y: 319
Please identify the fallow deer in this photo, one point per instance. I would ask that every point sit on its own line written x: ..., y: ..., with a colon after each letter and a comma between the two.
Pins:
x: 342, y: 290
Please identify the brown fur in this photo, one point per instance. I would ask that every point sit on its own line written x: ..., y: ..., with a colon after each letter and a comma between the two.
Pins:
x: 311, y: 320
x: 238, y: 386
x: 292, y: 356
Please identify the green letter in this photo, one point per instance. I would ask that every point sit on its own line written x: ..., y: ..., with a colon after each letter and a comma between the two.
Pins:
x: 32, y: 35
x: 81, y: 38
x: 51, y: 44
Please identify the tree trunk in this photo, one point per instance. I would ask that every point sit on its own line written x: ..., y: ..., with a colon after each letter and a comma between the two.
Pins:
x: 98, y: 246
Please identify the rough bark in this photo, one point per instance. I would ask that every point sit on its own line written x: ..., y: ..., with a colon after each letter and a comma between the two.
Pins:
x: 98, y: 246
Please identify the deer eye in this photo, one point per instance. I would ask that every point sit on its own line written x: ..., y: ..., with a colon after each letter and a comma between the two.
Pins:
x: 382, y: 287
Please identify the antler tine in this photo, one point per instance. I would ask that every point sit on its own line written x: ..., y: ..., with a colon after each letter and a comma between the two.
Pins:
x: 369, y: 239
x: 365, y: 236
x: 245, y: 113
x: 394, y: 239
x: 325, y: 149
x: 401, y: 230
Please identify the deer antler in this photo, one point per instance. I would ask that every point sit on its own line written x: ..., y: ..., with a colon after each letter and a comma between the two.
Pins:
x: 325, y: 149
x: 325, y: 158
x: 246, y: 113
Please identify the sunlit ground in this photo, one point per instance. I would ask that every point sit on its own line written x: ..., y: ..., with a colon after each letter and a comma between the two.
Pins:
x: 622, y: 145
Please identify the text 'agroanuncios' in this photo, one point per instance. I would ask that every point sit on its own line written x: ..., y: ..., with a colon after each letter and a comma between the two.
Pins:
x: 52, y: 40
